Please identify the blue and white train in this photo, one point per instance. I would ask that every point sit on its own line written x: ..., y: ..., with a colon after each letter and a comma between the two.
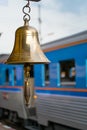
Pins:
x: 60, y: 87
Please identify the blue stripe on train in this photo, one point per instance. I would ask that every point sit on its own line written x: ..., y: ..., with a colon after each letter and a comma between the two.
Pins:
x: 10, y: 89
x: 68, y: 93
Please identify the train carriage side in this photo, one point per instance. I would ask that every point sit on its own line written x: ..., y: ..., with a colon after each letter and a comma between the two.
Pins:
x: 61, y: 86
x: 11, y: 92
x: 13, y: 105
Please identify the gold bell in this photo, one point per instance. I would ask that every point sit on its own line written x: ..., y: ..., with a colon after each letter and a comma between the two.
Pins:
x: 27, y: 47
x: 27, y: 51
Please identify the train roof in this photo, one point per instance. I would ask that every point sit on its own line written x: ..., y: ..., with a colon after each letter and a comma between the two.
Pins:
x: 81, y: 36
x: 3, y: 58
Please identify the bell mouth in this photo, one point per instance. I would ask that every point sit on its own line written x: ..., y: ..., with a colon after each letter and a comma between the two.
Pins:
x: 26, y: 59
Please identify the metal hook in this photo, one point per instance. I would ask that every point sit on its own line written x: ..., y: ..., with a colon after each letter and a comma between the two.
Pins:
x: 26, y: 14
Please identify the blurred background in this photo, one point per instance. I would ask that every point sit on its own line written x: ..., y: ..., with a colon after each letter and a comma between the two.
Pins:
x: 54, y: 19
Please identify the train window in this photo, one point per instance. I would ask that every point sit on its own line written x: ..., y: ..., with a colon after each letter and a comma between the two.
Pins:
x: 47, y: 80
x: 14, y: 69
x: 67, y: 73
x: 7, y: 76
x: 32, y: 71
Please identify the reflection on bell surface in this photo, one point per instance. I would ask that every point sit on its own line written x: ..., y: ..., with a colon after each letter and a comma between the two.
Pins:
x: 27, y: 47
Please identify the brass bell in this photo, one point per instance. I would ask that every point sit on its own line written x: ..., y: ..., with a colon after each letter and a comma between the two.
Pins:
x: 27, y: 47
x: 27, y: 51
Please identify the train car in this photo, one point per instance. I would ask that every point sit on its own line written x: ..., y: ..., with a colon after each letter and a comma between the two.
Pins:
x: 12, y: 100
x: 60, y: 99
x: 61, y: 86
x: 11, y: 88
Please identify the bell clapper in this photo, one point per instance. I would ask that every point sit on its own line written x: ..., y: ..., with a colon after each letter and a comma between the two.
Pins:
x: 29, y: 86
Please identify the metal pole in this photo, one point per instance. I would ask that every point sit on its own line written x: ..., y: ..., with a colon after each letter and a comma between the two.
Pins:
x: 39, y: 20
